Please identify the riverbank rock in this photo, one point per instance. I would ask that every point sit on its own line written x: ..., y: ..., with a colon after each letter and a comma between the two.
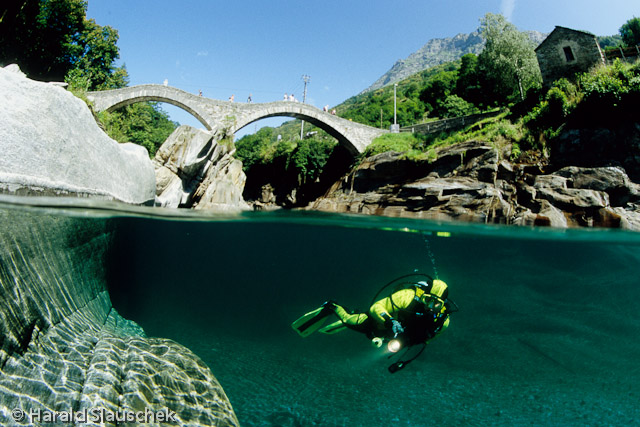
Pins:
x: 473, y: 181
x: 65, y: 348
x: 195, y: 170
x: 598, y: 147
x: 51, y: 145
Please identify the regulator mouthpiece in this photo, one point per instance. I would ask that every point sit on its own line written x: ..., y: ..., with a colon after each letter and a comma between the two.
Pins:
x: 396, y: 367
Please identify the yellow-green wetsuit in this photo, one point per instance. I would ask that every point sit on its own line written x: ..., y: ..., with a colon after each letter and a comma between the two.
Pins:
x: 404, y: 306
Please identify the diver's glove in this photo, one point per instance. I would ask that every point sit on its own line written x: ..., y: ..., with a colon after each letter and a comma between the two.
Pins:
x: 396, y: 327
x: 393, y: 324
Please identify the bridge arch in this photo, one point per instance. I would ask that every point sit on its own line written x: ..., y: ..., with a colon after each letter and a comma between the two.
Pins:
x: 302, y: 112
x: 171, y: 101
x: 111, y: 100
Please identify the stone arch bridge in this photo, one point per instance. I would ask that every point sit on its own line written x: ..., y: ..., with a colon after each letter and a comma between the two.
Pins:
x: 230, y: 117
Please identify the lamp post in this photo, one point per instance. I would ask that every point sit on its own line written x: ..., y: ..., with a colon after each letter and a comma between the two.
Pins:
x: 306, y: 80
x: 394, y: 127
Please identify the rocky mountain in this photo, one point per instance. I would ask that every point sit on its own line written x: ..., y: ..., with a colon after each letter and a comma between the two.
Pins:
x: 438, y: 51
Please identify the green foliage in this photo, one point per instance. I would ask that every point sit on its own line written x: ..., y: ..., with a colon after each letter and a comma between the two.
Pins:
x: 546, y: 118
x: 609, y: 95
x: 468, y: 84
x: 497, y: 130
x: 454, y: 106
x: 42, y: 36
x: 437, y: 89
x: 630, y: 32
x: 607, y: 42
x: 53, y: 40
x: 255, y: 149
x: 416, y: 97
x: 306, y: 158
x: 508, y: 63
x: 95, y: 63
x: 608, y: 85
x: 602, y: 97
x: 310, y: 157
x: 400, y: 142
x: 143, y: 123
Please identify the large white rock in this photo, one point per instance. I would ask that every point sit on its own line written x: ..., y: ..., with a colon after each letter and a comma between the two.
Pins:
x: 195, y: 170
x: 50, y: 144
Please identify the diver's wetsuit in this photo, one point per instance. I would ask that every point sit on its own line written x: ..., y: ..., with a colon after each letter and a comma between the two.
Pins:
x: 407, y: 306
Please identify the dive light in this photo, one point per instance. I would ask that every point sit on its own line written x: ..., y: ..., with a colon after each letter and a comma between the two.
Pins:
x: 394, y: 345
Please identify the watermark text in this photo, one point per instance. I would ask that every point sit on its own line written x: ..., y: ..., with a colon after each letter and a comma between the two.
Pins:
x: 94, y: 415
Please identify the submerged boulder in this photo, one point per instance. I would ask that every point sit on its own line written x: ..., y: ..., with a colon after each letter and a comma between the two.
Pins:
x: 51, y: 145
x: 65, y: 348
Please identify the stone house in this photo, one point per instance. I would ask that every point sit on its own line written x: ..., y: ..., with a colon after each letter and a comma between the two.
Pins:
x: 566, y: 52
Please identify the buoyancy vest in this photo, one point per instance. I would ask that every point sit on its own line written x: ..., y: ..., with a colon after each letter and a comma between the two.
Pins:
x: 424, y: 317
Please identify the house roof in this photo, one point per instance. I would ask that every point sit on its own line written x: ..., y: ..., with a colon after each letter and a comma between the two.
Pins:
x: 558, y: 28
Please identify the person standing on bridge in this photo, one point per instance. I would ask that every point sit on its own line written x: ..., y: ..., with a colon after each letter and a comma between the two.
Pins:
x: 249, y: 100
x: 231, y: 98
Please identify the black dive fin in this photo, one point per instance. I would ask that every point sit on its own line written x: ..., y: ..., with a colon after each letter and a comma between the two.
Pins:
x: 311, y: 322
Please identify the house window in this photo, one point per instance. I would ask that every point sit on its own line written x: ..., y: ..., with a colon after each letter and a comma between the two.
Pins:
x: 568, y: 53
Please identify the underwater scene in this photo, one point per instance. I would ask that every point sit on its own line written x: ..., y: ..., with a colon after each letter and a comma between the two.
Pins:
x: 546, y: 332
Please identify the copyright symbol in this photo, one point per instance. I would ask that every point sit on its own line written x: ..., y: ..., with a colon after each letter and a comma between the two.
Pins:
x: 17, y: 415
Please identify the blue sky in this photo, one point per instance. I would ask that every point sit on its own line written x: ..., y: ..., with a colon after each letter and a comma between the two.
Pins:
x: 263, y: 47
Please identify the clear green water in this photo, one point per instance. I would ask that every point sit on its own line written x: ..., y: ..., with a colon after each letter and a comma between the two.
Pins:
x: 547, y: 332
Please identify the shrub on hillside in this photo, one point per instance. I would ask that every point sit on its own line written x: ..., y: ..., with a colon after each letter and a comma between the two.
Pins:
x: 400, y: 142
x: 454, y: 106
x: 610, y: 92
x: 547, y: 117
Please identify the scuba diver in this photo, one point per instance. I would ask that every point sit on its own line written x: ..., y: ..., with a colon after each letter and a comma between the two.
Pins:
x: 414, y: 313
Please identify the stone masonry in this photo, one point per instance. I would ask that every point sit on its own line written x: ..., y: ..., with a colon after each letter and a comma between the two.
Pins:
x: 566, y: 52
x: 229, y: 117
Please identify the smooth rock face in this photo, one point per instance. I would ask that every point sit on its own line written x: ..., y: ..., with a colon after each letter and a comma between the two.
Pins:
x: 194, y: 170
x: 51, y: 145
x: 63, y: 347
x: 474, y: 182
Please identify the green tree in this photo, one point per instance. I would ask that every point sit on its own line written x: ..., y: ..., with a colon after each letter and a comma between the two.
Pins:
x: 53, y: 40
x: 96, y: 57
x: 508, y: 62
x: 607, y: 42
x: 310, y: 157
x: 437, y: 89
x: 253, y: 149
x: 454, y: 106
x: 468, y: 84
x: 143, y: 123
x: 630, y: 32
x: 42, y: 36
